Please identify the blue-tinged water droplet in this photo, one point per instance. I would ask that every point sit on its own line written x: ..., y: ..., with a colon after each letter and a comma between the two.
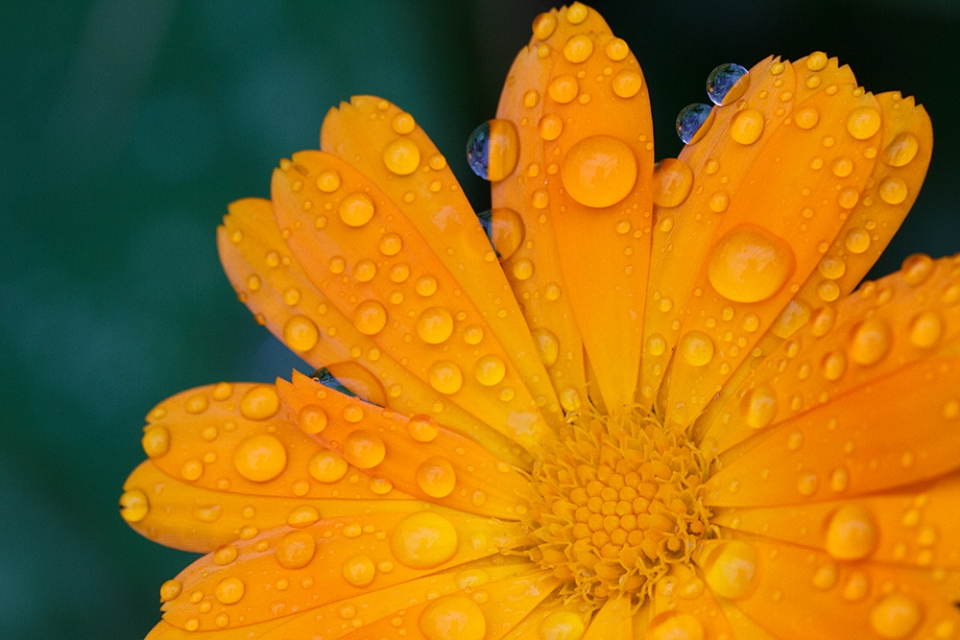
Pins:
x: 722, y: 79
x: 691, y: 119
x: 478, y: 150
x: 486, y: 221
x: 327, y: 379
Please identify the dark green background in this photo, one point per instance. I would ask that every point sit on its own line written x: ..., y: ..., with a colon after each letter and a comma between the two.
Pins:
x: 126, y: 128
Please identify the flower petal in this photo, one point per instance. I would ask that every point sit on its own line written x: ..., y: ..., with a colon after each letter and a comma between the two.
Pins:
x: 615, y: 619
x: 682, y: 600
x: 798, y: 594
x: 261, y: 268
x: 341, y: 618
x: 363, y: 133
x: 913, y: 526
x: 587, y: 154
x: 417, y: 456
x: 752, y: 272
x: 328, y: 561
x: 860, y: 442
x: 455, y: 350
x: 907, y: 316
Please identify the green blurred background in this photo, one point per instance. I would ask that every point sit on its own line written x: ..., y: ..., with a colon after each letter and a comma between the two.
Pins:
x: 126, y: 128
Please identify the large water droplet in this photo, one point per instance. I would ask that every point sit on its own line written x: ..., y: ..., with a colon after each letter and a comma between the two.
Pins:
x: 672, y: 181
x: 436, y: 477
x: 896, y: 616
x: 327, y: 466
x: 548, y: 347
x: 370, y: 317
x: 260, y: 458
x: 852, y: 533
x: 402, y: 156
x: 295, y: 550
x: 599, y: 171
x: 359, y: 570
x: 422, y: 428
x: 453, y: 617
x: 134, y: 505
x: 694, y: 121
x: 902, y: 150
x: 356, y: 209
x: 673, y: 625
x: 155, y: 441
x: 561, y: 625
x: 445, y: 377
x: 726, y: 83
x: 730, y: 568
x: 435, y: 325
x: 424, y: 540
x: 492, y: 150
x: 260, y: 402
x: 364, y: 449
x: 759, y: 406
x: 749, y: 265
x: 697, y: 348
x: 490, y: 370
x: 871, y: 341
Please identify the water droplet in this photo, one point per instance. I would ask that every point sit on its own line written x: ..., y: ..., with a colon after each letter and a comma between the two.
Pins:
x: 825, y: 576
x: 863, y: 122
x: 926, y: 330
x: 626, y: 83
x: 300, y: 333
x: 578, y: 48
x: 902, y: 150
x: 548, y: 347
x: 328, y: 181
x: 550, y: 126
x: 893, y: 190
x: 422, y: 428
x: 561, y: 625
x: 834, y: 365
x: 403, y: 123
x: 356, y: 210
x: 504, y: 229
x: 806, y: 117
x: 672, y: 625
x: 370, y: 317
x: 522, y: 269
x: 260, y: 458
x: 435, y: 325
x: 749, y: 265
x: 696, y: 348
x: 489, y: 370
x: 896, y: 616
x: 747, y: 126
x: 492, y: 150
x: 225, y: 554
x: 327, y: 466
x: 730, y: 568
x: 390, y: 244
x: 807, y: 484
x: 169, y: 590
x: 832, y: 267
x: 817, y: 61
x: 576, y: 14
x: 436, y: 477
x: 759, y: 406
x: 473, y: 334
x: 871, y: 341
x: 155, y: 441
x: 402, y: 156
x: 599, y: 171
x: 656, y: 344
x: 445, y: 377
x: 453, y: 617
x: 364, y: 449
x: 134, y: 505
x: 544, y: 25
x: 694, y: 121
x: 424, y: 540
x: 359, y: 571
x: 726, y: 83
x: 672, y: 181
x: 617, y: 49
x: 426, y: 286
x: 229, y: 590
x: 852, y: 533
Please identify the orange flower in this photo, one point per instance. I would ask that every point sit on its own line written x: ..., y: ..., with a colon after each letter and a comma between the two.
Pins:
x: 649, y: 409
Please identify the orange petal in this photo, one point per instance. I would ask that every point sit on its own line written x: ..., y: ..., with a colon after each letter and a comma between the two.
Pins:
x: 365, y: 133
x: 796, y: 593
x: 613, y: 620
x: 908, y: 316
x: 682, y: 601
x: 425, y: 320
x: 683, y: 233
x: 340, y: 618
x: 417, y: 456
x: 275, y: 287
x: 553, y: 618
x: 768, y: 241
x: 595, y: 187
x: 915, y: 526
x: 860, y: 442
x: 328, y: 561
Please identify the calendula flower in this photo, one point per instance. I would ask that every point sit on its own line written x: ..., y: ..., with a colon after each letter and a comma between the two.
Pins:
x: 631, y: 400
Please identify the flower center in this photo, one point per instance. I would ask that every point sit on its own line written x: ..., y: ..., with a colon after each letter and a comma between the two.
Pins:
x: 618, y: 504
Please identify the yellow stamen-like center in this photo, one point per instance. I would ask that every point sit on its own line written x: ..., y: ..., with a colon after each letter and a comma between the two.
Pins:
x: 617, y: 503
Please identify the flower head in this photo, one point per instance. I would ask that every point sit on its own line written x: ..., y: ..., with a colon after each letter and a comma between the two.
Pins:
x: 631, y: 400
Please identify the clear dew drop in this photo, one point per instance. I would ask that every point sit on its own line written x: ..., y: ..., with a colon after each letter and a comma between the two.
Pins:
x: 134, y: 505
x: 300, y: 333
x: 747, y: 126
x: 423, y: 428
x: 902, y: 150
x: 599, y: 171
x: 359, y: 570
x: 436, y: 477
x: 229, y: 590
x: 327, y: 466
x: 489, y: 370
x: 260, y: 458
x: 759, y: 407
x: 730, y: 568
x: 626, y: 83
x: 155, y: 441
x: 504, y: 229
x: 926, y: 330
x: 561, y: 625
x: 863, y: 122
x: 445, y: 377
x: 312, y: 419
x: 696, y: 348
x: 896, y: 616
x: 453, y: 617
x: 424, y: 540
x: 749, y: 265
x: 851, y: 533
x: 169, y: 590
x: 295, y: 550
x: 726, y: 83
x: 548, y: 346
x: 673, y: 625
x: 402, y: 156
x: 672, y: 182
x: 693, y: 122
x: 493, y: 149
x: 870, y: 342
x: 356, y: 209
x: 370, y: 317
